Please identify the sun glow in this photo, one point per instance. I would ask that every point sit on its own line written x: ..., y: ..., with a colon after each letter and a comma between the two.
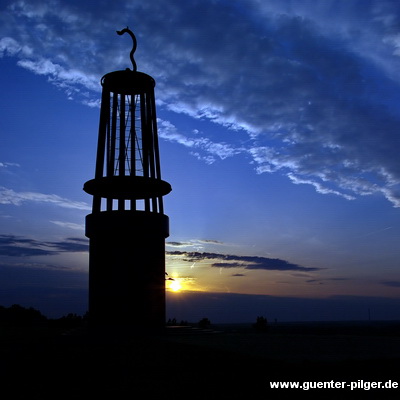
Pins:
x: 175, y: 286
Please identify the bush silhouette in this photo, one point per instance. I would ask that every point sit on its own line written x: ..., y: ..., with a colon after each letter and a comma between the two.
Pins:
x: 204, y: 323
x: 261, y: 324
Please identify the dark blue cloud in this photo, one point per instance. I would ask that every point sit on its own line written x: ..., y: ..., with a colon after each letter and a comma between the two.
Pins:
x: 391, y: 283
x: 18, y: 246
x: 71, y: 245
x: 246, y: 262
x: 15, y: 246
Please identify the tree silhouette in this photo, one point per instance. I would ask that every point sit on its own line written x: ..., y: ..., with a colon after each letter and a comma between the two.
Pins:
x: 17, y: 315
x: 204, y: 323
x: 261, y: 324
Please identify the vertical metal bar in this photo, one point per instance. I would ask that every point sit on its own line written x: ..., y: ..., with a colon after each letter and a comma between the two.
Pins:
x: 133, y: 141
x: 121, y: 202
x: 156, y: 149
x: 104, y: 121
x: 150, y: 145
x: 111, y: 161
x: 122, y: 136
x: 143, y: 162
x: 113, y: 134
x: 145, y: 133
x: 108, y: 154
x: 128, y: 131
x: 150, y: 137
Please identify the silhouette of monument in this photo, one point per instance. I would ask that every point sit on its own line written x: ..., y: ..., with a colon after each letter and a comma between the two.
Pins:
x: 127, y: 227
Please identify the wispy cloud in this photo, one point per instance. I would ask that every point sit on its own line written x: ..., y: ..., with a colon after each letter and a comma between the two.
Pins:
x: 211, y: 241
x: 320, y: 188
x: 197, y: 243
x: 314, y: 97
x: 211, y: 150
x: 8, y: 164
x: 246, y: 262
x: 178, y: 244
x: 19, y: 246
x: 321, y: 281
x: 69, y: 225
x: 9, y: 196
x: 71, y: 81
x: 391, y: 283
x: 14, y: 246
x: 71, y: 245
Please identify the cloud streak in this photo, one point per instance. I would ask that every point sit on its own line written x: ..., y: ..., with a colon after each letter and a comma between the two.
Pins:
x: 69, y: 225
x: 395, y: 284
x: 8, y: 164
x: 198, y: 243
x: 18, y: 246
x: 246, y: 262
x: 9, y: 196
x: 199, y: 145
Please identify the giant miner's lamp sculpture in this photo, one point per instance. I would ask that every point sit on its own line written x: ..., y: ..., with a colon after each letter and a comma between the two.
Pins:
x: 127, y: 227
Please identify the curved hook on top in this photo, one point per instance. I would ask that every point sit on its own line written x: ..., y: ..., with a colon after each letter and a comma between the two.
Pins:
x: 127, y: 30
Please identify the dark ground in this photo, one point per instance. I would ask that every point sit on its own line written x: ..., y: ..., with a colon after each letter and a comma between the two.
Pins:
x: 227, y: 362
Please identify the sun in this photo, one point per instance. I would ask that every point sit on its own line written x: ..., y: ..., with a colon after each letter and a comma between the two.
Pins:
x: 175, y: 286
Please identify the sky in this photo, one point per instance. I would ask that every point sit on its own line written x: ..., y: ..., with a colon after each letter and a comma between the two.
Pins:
x: 279, y: 134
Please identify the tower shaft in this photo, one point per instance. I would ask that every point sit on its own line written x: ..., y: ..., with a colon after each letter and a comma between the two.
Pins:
x: 127, y: 227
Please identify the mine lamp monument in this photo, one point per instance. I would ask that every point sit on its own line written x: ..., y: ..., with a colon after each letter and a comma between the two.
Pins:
x: 127, y: 227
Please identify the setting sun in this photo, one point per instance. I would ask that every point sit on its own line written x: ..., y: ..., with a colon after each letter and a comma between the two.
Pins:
x: 175, y: 286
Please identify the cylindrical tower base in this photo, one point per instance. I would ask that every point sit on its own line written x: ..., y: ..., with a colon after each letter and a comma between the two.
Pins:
x: 127, y: 269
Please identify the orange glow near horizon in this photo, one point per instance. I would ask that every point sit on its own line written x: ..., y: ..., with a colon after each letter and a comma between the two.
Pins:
x: 181, y: 284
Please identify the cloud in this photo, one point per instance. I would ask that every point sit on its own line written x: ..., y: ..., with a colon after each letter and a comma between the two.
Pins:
x: 179, y: 244
x: 313, y: 98
x: 9, y: 196
x: 301, y: 93
x: 71, y: 245
x: 15, y: 246
x: 318, y: 186
x: 321, y: 281
x: 245, y: 262
x: 210, y: 241
x: 8, y: 164
x: 391, y: 283
x: 18, y: 246
x: 169, y: 132
x: 198, y: 243
x: 9, y: 46
x: 69, y: 225
x: 71, y: 81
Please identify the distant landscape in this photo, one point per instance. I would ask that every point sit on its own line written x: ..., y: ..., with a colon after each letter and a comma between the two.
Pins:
x: 48, y: 355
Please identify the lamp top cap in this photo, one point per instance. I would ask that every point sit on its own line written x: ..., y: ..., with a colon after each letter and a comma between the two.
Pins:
x: 128, y: 81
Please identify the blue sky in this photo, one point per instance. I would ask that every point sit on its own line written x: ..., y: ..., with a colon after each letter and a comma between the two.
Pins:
x: 279, y: 133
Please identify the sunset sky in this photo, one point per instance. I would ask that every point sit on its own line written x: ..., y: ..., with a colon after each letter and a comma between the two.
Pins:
x: 279, y: 133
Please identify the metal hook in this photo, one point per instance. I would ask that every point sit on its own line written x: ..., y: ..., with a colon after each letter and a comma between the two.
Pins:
x: 127, y: 30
